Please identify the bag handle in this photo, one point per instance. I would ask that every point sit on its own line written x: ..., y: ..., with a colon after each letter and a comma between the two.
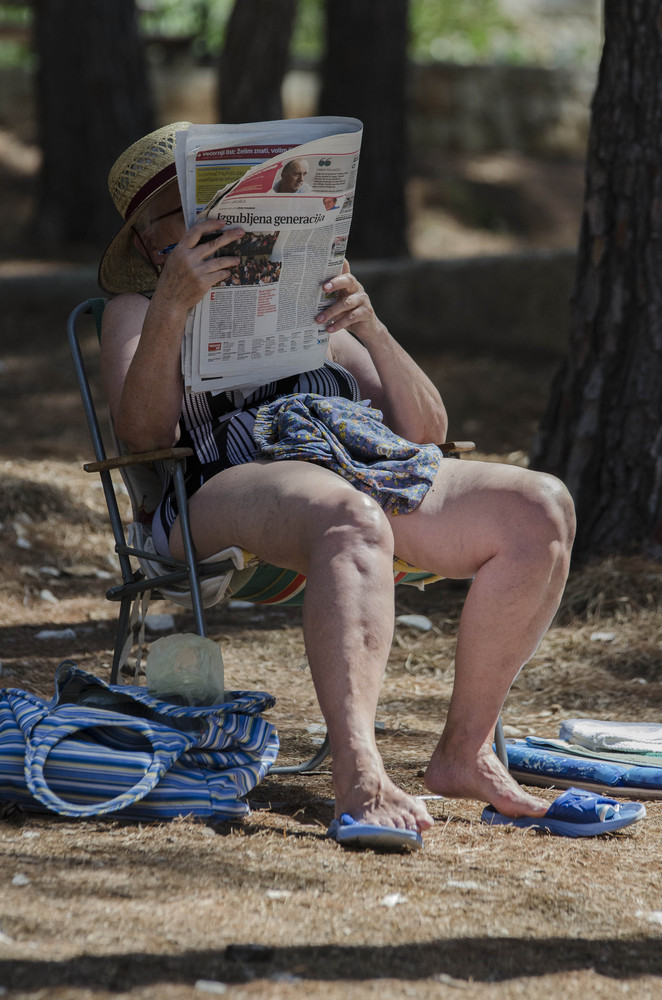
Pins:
x: 167, y: 746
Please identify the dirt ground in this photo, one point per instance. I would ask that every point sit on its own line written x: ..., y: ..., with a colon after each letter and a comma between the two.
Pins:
x: 269, y: 907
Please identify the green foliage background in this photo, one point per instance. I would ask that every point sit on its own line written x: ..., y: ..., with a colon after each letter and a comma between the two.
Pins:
x: 452, y: 30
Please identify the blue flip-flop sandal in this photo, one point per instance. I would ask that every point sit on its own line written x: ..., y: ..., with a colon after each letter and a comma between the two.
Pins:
x: 350, y: 832
x: 576, y: 813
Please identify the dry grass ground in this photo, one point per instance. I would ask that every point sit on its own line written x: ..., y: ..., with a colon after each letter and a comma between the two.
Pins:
x: 269, y: 908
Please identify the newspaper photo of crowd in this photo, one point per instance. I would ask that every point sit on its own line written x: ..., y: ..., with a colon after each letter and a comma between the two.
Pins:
x: 250, y: 244
x: 254, y: 271
x: 256, y: 267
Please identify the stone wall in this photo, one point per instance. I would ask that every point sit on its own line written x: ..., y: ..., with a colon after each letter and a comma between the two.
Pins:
x: 507, y: 303
x: 475, y: 109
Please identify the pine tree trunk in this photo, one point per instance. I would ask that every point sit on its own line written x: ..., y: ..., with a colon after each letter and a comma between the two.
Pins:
x: 94, y: 100
x: 364, y: 75
x: 602, y: 432
x: 254, y: 60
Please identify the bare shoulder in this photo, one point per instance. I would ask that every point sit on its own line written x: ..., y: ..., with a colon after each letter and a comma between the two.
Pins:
x: 125, y: 311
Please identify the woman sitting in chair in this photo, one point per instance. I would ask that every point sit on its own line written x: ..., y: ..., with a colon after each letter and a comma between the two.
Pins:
x: 509, y: 529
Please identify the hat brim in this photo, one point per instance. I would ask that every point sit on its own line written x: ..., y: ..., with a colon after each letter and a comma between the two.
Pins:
x: 122, y: 268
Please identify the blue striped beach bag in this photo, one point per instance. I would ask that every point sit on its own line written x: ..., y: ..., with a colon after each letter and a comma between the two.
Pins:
x: 97, y: 749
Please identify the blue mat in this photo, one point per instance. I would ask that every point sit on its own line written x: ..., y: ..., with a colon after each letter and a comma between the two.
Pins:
x: 533, y: 763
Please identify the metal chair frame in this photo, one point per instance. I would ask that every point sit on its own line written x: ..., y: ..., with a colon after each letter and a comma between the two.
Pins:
x: 135, y: 584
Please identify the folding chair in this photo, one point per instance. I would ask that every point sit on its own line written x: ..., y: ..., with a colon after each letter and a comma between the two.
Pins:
x: 191, y: 583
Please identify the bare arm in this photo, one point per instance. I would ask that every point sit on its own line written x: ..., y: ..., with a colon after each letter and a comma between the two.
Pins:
x: 386, y: 374
x: 141, y: 341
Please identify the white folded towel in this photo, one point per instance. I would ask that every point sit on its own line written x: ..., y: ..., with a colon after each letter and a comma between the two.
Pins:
x: 598, y: 734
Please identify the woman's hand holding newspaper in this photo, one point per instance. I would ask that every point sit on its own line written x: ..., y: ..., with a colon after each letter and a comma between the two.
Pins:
x: 191, y: 267
x: 352, y: 310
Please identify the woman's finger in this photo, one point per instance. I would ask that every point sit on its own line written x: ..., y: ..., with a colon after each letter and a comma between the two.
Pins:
x: 191, y: 237
x: 346, y: 303
x: 216, y: 264
x: 213, y: 246
x: 210, y: 234
x: 340, y: 282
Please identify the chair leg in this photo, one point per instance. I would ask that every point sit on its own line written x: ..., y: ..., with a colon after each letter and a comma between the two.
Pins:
x: 189, y: 550
x: 306, y: 765
x: 122, y: 633
x: 500, y: 743
x: 324, y: 750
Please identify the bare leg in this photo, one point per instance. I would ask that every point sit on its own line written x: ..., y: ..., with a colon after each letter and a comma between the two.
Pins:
x: 302, y: 517
x: 512, y: 531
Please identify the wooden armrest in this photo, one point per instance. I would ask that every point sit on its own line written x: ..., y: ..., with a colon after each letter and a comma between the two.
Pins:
x: 139, y: 458
x: 457, y: 447
x: 145, y: 457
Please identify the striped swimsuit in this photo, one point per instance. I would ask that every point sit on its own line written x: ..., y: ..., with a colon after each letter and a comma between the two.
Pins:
x: 219, y: 429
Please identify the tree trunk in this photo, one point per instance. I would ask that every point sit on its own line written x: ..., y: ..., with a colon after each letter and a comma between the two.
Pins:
x: 94, y: 100
x: 364, y: 75
x: 602, y: 432
x: 254, y: 60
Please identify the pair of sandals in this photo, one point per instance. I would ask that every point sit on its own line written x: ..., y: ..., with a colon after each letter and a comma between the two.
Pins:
x: 575, y: 813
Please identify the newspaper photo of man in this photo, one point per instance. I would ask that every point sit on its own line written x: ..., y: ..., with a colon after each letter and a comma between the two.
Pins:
x: 292, y: 178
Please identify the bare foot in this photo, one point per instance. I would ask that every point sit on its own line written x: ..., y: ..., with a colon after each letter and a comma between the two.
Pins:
x: 481, y: 777
x: 365, y: 791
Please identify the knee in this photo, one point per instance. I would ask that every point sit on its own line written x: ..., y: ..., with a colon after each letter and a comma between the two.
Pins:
x: 549, y: 515
x: 560, y: 510
x: 355, y: 523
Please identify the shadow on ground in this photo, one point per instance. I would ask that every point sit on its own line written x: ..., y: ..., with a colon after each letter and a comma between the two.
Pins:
x: 487, y: 960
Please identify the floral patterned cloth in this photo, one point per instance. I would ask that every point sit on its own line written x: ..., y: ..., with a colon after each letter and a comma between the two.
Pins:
x: 350, y: 439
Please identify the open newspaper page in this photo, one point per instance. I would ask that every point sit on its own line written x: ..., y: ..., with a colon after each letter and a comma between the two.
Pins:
x: 290, y: 186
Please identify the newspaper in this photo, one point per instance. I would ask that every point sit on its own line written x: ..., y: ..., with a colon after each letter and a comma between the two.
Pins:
x: 290, y: 186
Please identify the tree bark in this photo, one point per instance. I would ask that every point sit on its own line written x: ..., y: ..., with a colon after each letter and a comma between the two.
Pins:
x: 94, y: 99
x: 602, y: 432
x: 254, y: 60
x: 364, y: 75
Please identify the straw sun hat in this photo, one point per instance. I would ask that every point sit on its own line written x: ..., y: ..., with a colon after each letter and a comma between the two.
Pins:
x: 137, y: 176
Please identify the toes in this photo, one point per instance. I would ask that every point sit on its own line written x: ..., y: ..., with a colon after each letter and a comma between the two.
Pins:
x: 422, y: 817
